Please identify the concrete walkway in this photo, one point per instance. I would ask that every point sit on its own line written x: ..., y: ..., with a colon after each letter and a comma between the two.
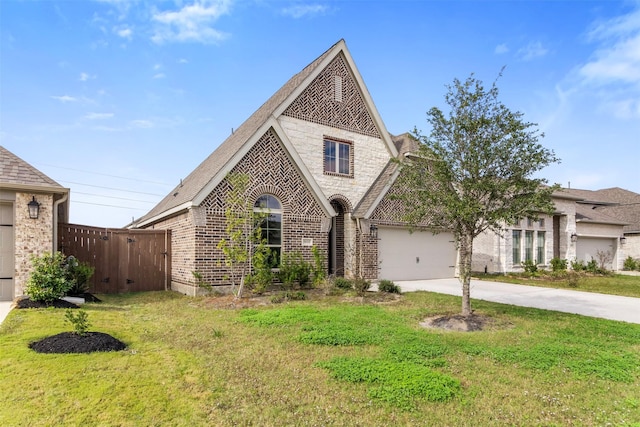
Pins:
x: 611, y: 307
x: 5, y: 308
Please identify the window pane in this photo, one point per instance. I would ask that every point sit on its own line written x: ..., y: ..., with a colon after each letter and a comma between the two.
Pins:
x: 344, y: 158
x: 329, y: 156
x: 540, y: 248
x: 516, y: 246
x: 528, y: 246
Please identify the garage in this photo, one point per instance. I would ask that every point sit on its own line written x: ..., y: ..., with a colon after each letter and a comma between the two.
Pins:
x: 6, y: 252
x: 414, y: 256
x: 587, y: 248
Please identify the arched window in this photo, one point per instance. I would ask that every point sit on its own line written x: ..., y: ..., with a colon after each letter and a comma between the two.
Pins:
x: 269, y: 210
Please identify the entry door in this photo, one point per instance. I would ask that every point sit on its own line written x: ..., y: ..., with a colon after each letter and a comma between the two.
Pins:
x: 7, y: 266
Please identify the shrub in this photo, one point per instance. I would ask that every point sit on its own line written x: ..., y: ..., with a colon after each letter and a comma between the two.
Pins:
x: 631, y: 264
x: 79, y: 320
x: 361, y: 286
x: 388, y: 286
x: 578, y: 265
x: 78, y: 274
x: 318, y: 271
x: 342, y: 283
x: 529, y: 266
x: 262, y: 273
x: 558, y: 264
x: 294, y: 269
x: 573, y: 279
x: 592, y: 266
x: 48, y: 280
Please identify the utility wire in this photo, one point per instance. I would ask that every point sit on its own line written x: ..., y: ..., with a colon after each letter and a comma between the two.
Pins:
x: 113, y: 197
x: 106, y: 174
x: 111, y: 188
x: 110, y: 206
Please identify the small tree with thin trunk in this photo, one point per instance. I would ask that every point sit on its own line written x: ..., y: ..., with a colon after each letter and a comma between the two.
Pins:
x: 474, y: 171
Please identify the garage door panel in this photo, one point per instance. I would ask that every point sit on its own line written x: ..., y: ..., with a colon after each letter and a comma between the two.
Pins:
x: 418, y: 255
x: 587, y: 248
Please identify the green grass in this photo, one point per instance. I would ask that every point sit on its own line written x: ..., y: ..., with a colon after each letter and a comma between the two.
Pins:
x: 321, y: 362
x: 616, y: 284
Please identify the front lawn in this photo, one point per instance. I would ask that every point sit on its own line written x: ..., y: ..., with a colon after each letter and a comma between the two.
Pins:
x: 325, y: 361
x: 615, y: 284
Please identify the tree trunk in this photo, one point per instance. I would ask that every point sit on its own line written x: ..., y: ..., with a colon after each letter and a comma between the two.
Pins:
x: 466, y: 250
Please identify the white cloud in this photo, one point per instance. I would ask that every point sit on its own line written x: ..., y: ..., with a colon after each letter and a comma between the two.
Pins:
x: 532, y: 51
x: 501, y: 49
x: 144, y: 124
x: 65, y: 98
x: 182, y: 61
x: 98, y: 116
x: 157, y: 66
x: 192, y: 23
x: 125, y: 33
x: 159, y: 76
x: 299, y: 11
x: 84, y: 77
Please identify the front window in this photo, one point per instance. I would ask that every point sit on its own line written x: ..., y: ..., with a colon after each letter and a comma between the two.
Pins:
x: 516, y: 246
x: 528, y: 246
x: 540, y: 248
x: 269, y: 212
x: 337, y: 157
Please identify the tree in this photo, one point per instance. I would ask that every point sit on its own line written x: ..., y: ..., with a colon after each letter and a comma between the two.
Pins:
x: 474, y: 171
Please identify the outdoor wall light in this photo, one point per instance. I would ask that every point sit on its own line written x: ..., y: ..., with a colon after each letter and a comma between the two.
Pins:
x: 574, y: 237
x: 373, y: 231
x: 34, y: 208
x: 623, y: 240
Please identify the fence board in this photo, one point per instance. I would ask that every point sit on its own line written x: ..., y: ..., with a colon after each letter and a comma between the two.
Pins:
x: 124, y: 260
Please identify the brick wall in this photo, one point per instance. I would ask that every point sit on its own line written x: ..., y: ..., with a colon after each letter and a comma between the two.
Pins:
x: 33, y: 237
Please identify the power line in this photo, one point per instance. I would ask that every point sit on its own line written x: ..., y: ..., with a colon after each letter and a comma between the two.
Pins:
x: 112, y: 197
x: 106, y: 174
x: 111, y: 188
x: 110, y: 206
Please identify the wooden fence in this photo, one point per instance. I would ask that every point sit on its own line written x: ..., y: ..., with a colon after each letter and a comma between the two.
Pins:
x: 124, y: 260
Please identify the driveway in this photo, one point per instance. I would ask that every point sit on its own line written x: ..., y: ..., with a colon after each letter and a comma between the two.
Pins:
x: 611, y: 307
x: 5, y: 308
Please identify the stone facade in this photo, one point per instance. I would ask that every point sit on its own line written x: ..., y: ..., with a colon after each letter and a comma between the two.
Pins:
x: 33, y: 237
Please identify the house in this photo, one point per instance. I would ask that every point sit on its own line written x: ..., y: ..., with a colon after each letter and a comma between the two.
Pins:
x: 320, y: 158
x: 31, y: 206
x: 586, y: 225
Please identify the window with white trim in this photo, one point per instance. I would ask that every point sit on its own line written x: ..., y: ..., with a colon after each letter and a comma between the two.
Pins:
x: 338, y: 157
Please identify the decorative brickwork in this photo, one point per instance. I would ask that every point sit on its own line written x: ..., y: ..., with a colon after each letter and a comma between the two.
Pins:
x: 271, y: 172
x: 367, y: 255
x: 33, y: 237
x: 319, y: 102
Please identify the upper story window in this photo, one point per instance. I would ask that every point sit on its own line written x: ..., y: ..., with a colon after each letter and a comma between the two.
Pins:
x: 338, y: 157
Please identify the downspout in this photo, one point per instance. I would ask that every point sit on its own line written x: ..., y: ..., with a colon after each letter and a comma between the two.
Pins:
x: 57, y: 203
x: 360, y: 238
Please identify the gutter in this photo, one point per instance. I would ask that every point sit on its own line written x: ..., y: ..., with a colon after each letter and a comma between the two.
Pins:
x: 57, y: 203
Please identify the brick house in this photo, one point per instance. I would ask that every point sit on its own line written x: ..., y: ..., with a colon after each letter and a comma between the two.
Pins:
x: 24, y: 232
x: 319, y: 156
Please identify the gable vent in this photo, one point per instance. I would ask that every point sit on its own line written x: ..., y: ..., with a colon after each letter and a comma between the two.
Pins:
x: 337, y: 88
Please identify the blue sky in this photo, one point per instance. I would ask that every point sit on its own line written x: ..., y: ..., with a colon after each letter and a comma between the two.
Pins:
x: 120, y: 99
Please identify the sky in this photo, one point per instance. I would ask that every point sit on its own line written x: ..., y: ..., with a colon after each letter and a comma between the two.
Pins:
x: 120, y: 99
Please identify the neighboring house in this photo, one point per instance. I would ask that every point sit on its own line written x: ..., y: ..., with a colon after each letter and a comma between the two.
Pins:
x: 31, y: 206
x: 320, y: 159
x: 585, y: 225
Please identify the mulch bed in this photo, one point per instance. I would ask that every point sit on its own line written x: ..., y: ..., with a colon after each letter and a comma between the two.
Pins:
x: 458, y: 322
x: 70, y: 342
x: 58, y: 303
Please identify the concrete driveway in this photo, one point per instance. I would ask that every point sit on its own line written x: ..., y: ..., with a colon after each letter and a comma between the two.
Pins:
x: 611, y: 307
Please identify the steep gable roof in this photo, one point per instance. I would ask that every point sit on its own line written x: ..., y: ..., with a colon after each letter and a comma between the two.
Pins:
x: 197, y: 185
x: 15, y: 173
x: 609, y: 205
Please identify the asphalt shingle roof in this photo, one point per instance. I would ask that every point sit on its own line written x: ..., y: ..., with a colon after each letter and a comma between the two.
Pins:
x: 14, y: 170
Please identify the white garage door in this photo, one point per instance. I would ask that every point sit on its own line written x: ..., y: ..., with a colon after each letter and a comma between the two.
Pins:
x: 413, y: 256
x: 587, y: 248
x: 6, y: 252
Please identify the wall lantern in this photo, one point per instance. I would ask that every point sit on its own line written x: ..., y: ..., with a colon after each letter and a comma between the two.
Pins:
x: 623, y: 240
x: 373, y: 231
x: 574, y: 237
x: 34, y: 208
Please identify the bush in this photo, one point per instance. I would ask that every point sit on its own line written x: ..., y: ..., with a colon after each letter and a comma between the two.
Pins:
x: 78, y: 274
x: 318, y: 270
x: 388, y: 286
x: 262, y: 274
x: 294, y: 269
x: 558, y: 264
x: 361, y: 286
x: 631, y: 264
x: 48, y: 280
x: 592, y: 266
x: 529, y: 266
x: 578, y: 265
x: 342, y: 283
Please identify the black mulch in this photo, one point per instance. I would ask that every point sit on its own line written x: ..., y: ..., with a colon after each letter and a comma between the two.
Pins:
x: 58, y: 303
x: 69, y: 342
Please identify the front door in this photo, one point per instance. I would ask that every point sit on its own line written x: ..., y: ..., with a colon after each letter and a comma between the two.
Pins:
x: 7, y: 266
x: 336, y: 241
